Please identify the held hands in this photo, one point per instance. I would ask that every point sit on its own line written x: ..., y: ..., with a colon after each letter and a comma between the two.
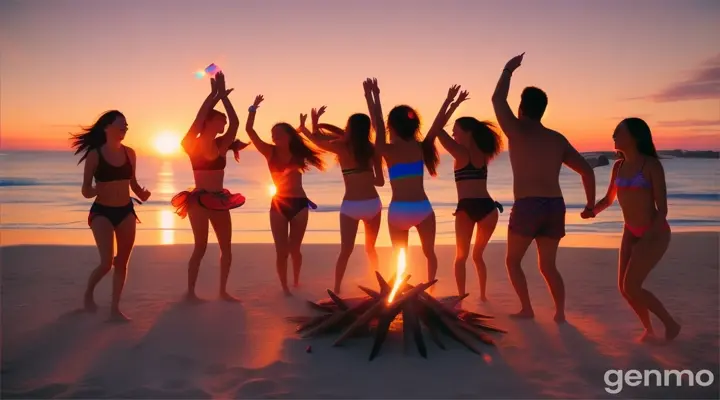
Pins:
x: 514, y: 63
x: 217, y: 87
x: 587, y: 213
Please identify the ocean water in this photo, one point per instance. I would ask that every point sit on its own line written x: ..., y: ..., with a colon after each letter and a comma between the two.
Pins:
x: 40, y: 200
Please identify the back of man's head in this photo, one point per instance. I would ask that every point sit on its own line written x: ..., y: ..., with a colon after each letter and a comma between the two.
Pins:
x: 533, y: 102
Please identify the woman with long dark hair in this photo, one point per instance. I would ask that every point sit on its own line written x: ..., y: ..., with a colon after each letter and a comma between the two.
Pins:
x: 112, y: 217
x: 473, y: 145
x: 209, y: 203
x: 362, y: 171
x: 637, y: 180
x: 406, y: 155
x: 288, y: 158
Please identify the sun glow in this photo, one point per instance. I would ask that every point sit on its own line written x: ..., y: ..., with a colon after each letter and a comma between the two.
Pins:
x: 272, y: 189
x: 167, y: 143
x: 399, y: 275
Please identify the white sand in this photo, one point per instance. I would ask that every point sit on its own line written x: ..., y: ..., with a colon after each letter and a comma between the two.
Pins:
x: 249, y: 350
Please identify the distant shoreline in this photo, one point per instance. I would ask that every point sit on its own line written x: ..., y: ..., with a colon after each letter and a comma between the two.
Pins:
x: 706, y: 154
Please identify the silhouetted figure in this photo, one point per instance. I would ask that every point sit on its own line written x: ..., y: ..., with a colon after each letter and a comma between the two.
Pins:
x: 209, y: 203
x: 638, y: 180
x: 472, y: 145
x: 288, y: 158
x: 537, y: 154
x: 112, y: 217
x: 406, y: 156
x: 362, y: 171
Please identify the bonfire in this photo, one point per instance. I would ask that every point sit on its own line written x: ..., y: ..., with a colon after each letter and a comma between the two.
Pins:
x: 398, y: 302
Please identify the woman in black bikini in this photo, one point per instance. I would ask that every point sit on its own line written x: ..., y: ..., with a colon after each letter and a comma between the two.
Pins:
x: 287, y: 159
x: 473, y: 145
x: 112, y: 215
x: 209, y: 202
x: 362, y: 172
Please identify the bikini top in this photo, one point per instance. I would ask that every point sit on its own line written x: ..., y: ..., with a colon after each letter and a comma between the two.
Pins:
x: 470, y: 171
x: 637, y: 181
x: 406, y: 170
x: 106, y: 172
x: 200, y: 163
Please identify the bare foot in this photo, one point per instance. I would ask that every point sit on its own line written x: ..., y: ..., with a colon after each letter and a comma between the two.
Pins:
x: 559, y: 317
x: 90, y: 305
x: 228, y: 297
x: 287, y: 292
x: 647, y: 337
x: 672, y: 331
x: 193, y: 299
x: 296, y: 284
x: 523, y: 314
x: 483, y: 298
x: 118, y: 316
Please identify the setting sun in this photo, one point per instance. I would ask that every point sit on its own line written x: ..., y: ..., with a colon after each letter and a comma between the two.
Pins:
x: 272, y: 190
x: 167, y: 143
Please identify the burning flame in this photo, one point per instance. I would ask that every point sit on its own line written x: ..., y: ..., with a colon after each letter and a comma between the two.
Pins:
x: 399, y: 275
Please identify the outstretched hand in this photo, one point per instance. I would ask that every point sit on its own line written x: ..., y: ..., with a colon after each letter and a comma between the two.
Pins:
x: 258, y: 99
x: 452, y: 92
x: 316, y: 113
x: 367, y: 87
x: 303, y: 118
x: 514, y: 62
x: 462, y: 97
x: 374, y: 86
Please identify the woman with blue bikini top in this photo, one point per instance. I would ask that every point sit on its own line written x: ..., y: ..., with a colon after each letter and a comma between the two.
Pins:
x: 406, y: 155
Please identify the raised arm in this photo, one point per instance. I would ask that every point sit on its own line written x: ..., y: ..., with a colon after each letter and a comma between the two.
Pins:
x: 446, y: 111
x: 315, y: 136
x: 609, y: 198
x: 263, y: 147
x: 505, y: 117
x: 210, y: 101
x: 140, y: 191
x: 575, y: 161
x: 336, y: 132
x: 376, y: 116
x: 88, y: 190
x: 225, y: 141
x: 657, y: 178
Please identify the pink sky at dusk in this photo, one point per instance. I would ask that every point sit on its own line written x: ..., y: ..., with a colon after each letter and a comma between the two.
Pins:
x: 63, y: 62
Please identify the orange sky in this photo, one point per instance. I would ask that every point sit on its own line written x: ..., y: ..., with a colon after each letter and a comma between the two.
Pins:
x: 64, y: 62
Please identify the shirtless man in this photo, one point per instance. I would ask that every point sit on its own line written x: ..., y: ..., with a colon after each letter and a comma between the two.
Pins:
x: 537, y: 154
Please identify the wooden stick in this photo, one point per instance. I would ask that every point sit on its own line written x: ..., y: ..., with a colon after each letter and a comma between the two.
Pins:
x: 384, y: 287
x: 319, y: 307
x: 338, y: 301
x: 370, y: 292
x: 431, y: 325
x: 337, y: 317
x: 381, y: 332
x: 314, y: 322
x: 410, y: 319
x: 458, y: 334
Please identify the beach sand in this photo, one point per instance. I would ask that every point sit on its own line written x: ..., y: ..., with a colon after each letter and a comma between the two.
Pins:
x: 249, y: 350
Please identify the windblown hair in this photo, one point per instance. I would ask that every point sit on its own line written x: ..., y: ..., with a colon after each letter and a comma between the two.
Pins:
x: 484, y: 134
x: 93, y: 137
x: 358, y: 129
x: 302, y: 152
x: 405, y: 122
x: 640, y: 131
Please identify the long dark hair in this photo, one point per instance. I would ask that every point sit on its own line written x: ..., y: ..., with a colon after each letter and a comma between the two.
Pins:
x: 484, y: 134
x: 405, y: 122
x: 640, y: 131
x: 358, y: 129
x: 301, y: 151
x: 93, y: 137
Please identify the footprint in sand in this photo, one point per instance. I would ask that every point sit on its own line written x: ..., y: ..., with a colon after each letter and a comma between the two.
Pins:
x: 255, y: 388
